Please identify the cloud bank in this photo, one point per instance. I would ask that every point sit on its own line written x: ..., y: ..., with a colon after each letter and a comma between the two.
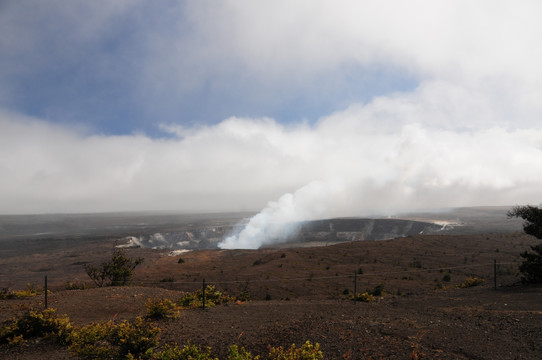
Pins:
x: 384, y: 156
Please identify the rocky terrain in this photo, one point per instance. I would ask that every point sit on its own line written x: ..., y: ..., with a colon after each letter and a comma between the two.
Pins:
x: 304, y: 293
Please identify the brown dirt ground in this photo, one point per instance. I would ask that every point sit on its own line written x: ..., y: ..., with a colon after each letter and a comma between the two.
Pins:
x: 309, y: 290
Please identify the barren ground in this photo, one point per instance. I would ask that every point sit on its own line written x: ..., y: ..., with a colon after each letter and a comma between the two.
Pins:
x: 307, y: 292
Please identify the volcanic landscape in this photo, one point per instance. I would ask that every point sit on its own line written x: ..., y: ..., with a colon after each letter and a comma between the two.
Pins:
x: 299, y: 290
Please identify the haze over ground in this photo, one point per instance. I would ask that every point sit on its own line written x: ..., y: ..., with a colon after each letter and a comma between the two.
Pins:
x: 305, y: 109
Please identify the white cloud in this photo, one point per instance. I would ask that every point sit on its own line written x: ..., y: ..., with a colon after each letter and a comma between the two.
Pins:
x: 432, y: 38
x: 384, y: 156
x: 468, y: 134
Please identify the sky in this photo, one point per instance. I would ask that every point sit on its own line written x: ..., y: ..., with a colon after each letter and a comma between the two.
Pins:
x: 298, y: 109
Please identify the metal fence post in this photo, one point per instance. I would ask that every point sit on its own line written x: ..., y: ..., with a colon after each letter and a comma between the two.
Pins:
x: 203, y: 294
x: 355, y: 285
x: 45, y: 292
x: 495, y: 274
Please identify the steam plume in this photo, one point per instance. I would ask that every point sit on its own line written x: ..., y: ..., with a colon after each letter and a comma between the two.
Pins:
x: 414, y: 169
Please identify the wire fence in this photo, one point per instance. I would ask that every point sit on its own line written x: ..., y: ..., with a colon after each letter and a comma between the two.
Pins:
x: 494, y: 274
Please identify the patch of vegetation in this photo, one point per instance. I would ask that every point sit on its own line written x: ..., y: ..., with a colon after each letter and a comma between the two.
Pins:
x: 212, y: 297
x: 36, y: 324
x: 377, y: 291
x: 75, y: 286
x: 116, y: 272
x: 531, y: 268
x: 161, y: 309
x: 364, y: 297
x: 234, y: 353
x: 447, y: 278
x: 130, y: 340
x: 307, y: 351
x: 180, y: 261
x: 105, y: 340
x: 440, y: 286
x: 470, y: 282
x: 169, y: 279
x: 370, y: 295
x: 188, y: 352
x: 30, y: 291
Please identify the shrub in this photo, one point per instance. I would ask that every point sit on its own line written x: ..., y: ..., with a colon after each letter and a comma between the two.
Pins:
x: 365, y: 297
x: 244, y: 296
x: 377, y: 291
x: 116, y: 272
x: 531, y: 268
x: 235, y: 354
x: 75, y: 286
x: 188, y: 352
x: 306, y: 352
x: 161, y: 309
x: 440, y: 286
x: 446, y: 278
x: 212, y: 297
x: 105, y: 340
x: 36, y: 324
x: 93, y: 341
x: 470, y: 282
x: 30, y: 291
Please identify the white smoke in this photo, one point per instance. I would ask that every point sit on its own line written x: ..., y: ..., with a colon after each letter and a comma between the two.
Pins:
x: 279, y: 219
x: 410, y: 169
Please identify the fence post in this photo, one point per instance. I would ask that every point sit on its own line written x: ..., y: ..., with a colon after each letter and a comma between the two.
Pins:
x: 45, y: 292
x: 495, y: 274
x: 203, y: 294
x: 355, y: 285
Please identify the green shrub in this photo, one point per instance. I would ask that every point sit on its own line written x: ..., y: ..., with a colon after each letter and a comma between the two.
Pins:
x: 76, y: 286
x: 105, y: 340
x: 188, y: 352
x: 235, y: 354
x: 30, y: 291
x: 306, y: 352
x: 161, y: 309
x: 447, y: 278
x: 212, y: 297
x: 93, y: 341
x: 470, y: 282
x: 531, y: 268
x: 116, y: 272
x: 36, y: 324
x: 365, y: 297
